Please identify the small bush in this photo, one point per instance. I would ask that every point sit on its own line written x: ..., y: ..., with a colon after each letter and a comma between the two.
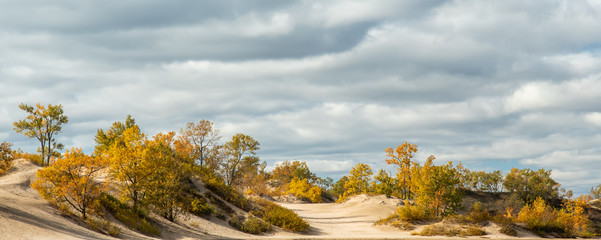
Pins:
x: 250, y: 224
x: 281, y: 217
x: 451, y: 231
x: 34, y: 158
x: 508, y: 230
x: 6, y: 157
x: 415, y: 213
x: 396, y: 222
x: 125, y: 214
x: 230, y: 195
x: 200, y: 207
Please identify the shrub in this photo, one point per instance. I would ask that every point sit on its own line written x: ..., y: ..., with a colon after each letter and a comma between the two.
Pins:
x: 200, y: 207
x: 302, y: 189
x: 281, y: 217
x: 134, y: 220
x: 249, y: 224
x: 396, y: 222
x: 230, y: 195
x: 450, y: 231
x: 6, y: 157
x: 415, y: 213
x: 34, y: 158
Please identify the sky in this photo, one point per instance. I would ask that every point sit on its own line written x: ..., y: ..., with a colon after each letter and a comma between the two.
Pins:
x: 490, y: 84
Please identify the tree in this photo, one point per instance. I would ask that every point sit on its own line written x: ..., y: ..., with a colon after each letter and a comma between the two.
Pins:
x: 6, y: 157
x: 241, y: 159
x: 436, y: 187
x: 303, y: 189
x: 167, y: 184
x: 70, y: 180
x: 129, y: 166
x: 358, y: 181
x: 202, y: 138
x: 384, y: 184
x: 401, y: 156
x: 106, y: 139
x: 43, y: 123
x: 283, y: 174
x: 529, y: 185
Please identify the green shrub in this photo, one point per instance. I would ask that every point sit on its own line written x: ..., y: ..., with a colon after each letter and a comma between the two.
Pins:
x: 415, y: 213
x: 250, y: 224
x: 281, y: 216
x: 125, y: 214
x: 230, y: 195
x: 200, y: 207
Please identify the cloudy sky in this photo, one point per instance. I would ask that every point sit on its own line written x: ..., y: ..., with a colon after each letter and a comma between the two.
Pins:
x: 491, y: 84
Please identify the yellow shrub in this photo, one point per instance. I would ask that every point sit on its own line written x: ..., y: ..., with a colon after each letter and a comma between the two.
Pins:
x: 302, y: 189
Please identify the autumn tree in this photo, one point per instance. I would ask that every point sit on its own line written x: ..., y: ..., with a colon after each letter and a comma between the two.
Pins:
x: 167, y: 180
x: 338, y: 187
x: 284, y: 172
x: 384, y: 184
x: 436, y: 187
x: 241, y: 159
x: 480, y: 180
x: 401, y: 157
x: 358, y: 180
x: 529, y: 185
x: 301, y: 188
x: 128, y: 166
x: 106, y: 139
x: 43, y: 123
x: 70, y: 181
x: 202, y: 138
x: 6, y: 157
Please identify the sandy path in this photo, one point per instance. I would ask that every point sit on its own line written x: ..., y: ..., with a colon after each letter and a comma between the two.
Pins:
x: 353, y: 219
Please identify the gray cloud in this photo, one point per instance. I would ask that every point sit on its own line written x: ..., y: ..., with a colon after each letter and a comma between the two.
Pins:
x: 489, y: 84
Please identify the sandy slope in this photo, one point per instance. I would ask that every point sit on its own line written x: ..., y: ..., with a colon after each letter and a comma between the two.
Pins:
x: 25, y: 215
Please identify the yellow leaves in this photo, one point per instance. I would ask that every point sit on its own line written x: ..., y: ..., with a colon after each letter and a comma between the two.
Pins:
x: 401, y: 156
x: 358, y: 181
x: 301, y: 188
x: 6, y: 157
x: 71, y: 180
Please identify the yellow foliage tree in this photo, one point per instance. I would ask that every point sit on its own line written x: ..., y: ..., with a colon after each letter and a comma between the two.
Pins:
x: 303, y: 189
x: 401, y: 156
x: 358, y: 181
x: 71, y: 180
x: 128, y: 166
x: 166, y: 182
x: 436, y: 187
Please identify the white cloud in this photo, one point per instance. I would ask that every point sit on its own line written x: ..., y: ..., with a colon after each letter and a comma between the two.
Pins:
x: 594, y: 118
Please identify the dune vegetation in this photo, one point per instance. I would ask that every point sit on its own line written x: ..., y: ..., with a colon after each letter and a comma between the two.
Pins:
x: 133, y: 178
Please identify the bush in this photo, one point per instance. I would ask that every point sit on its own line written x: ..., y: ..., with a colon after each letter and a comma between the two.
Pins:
x: 451, y: 231
x: 396, y: 222
x: 6, y: 157
x: 200, y: 207
x: 281, y: 217
x: 125, y: 214
x: 34, y: 158
x: 415, y: 213
x: 250, y: 224
x: 302, y: 189
x: 230, y: 195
